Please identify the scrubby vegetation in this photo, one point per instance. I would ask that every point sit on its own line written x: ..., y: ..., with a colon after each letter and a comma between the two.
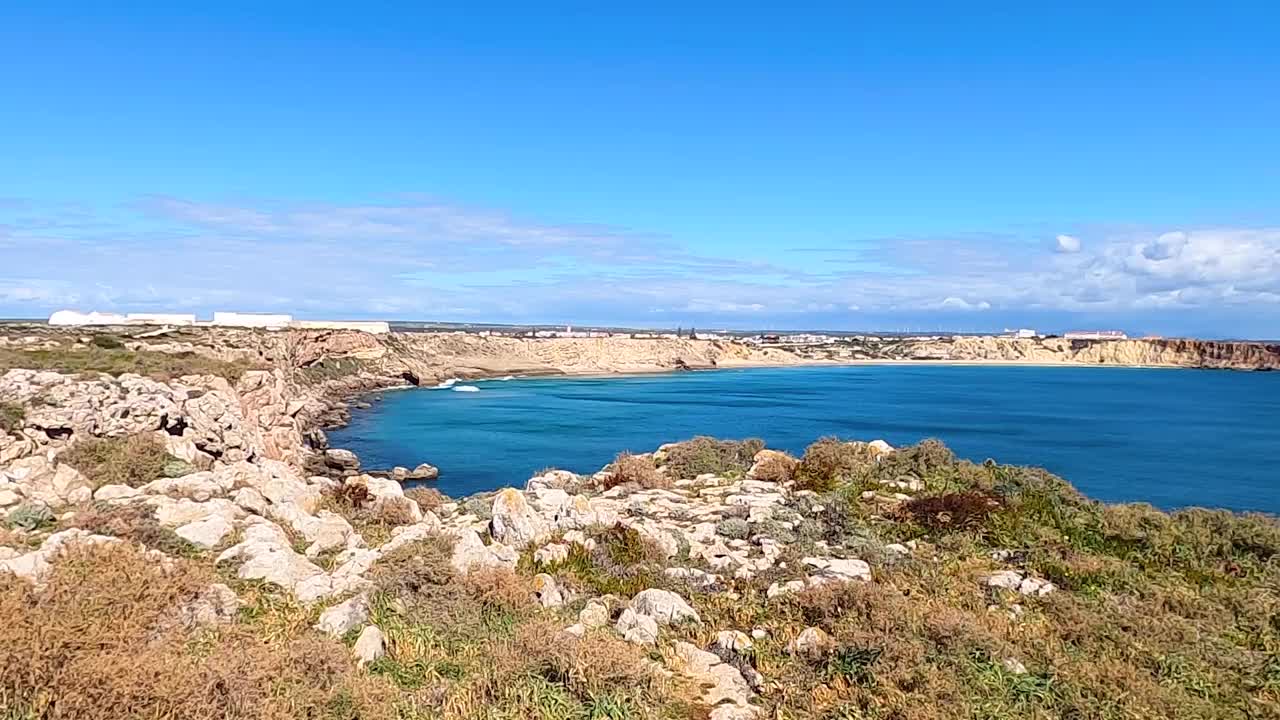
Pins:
x: 1156, y: 615
x: 700, y: 455
x: 134, y: 461
x: 100, y: 640
x: 11, y: 416
x: 132, y: 522
x: 112, y: 360
x: 637, y: 470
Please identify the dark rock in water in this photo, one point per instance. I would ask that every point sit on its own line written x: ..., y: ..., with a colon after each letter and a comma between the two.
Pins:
x: 411, y: 377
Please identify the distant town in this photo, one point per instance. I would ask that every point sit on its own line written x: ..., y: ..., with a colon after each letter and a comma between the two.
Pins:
x: 279, y: 321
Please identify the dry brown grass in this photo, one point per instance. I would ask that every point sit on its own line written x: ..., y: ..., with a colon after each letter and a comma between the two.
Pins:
x: 639, y: 470
x: 135, y: 522
x: 428, y: 498
x: 133, y: 461
x: 92, y: 643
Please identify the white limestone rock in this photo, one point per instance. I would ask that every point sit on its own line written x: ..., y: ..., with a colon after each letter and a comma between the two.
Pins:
x: 637, y: 628
x: 664, y: 606
x: 811, y: 642
x: 370, y: 646
x: 513, y: 522
x: 206, y: 533
x: 345, y: 616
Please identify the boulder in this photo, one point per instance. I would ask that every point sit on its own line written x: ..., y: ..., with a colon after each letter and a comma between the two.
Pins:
x: 115, y: 492
x: 636, y: 628
x: 547, y: 591
x: 424, y: 472
x: 345, y: 616
x: 265, y: 554
x: 370, y: 646
x: 664, y: 606
x: 513, y: 522
x: 732, y: 641
x: 341, y: 460
x: 469, y: 551
x: 722, y: 685
x: 812, y: 642
x: 206, y: 533
x: 595, y: 614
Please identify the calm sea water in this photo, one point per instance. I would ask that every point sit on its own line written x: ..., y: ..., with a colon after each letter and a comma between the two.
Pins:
x: 1169, y: 437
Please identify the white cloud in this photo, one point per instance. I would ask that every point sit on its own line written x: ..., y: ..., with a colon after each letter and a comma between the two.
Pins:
x: 1068, y: 244
x: 425, y: 259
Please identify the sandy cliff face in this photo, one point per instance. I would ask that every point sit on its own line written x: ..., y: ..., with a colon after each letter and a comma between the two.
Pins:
x: 1173, y: 352
x: 438, y: 356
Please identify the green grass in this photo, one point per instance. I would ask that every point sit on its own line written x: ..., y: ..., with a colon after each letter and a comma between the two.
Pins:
x: 94, y: 358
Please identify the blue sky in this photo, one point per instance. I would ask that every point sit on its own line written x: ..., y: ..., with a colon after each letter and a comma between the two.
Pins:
x: 844, y: 165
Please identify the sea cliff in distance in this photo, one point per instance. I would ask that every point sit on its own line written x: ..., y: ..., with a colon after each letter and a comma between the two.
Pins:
x: 429, y: 356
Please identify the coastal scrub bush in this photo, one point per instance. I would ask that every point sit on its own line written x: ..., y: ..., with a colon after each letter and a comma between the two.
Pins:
x: 107, y: 342
x: 623, y: 562
x: 830, y: 462
x: 29, y: 517
x: 734, y: 528
x: 11, y: 416
x: 627, y: 468
x: 776, y: 467
x: 134, y: 461
x: 952, y: 511
x: 702, y: 455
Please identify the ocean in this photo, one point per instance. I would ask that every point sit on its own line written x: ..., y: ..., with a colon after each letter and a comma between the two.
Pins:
x: 1173, y: 438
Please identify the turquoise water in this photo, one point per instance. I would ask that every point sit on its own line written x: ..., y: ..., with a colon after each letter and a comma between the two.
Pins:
x: 1169, y: 437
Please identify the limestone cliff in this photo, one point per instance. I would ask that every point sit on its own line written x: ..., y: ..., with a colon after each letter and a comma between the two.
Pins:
x: 1153, y: 352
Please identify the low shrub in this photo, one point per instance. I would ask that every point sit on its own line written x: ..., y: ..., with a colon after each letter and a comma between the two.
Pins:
x: 134, y: 461
x: 635, y: 469
x: 830, y: 462
x: 623, y: 562
x: 11, y: 416
x: 107, y: 342
x: 702, y: 455
x: 30, y: 517
x: 776, y: 467
x: 734, y: 528
x: 952, y: 511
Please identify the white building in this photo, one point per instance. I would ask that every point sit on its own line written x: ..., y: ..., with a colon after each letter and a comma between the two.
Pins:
x: 1096, y: 335
x: 77, y: 319
x: 270, y: 321
x: 183, y: 319
x: 1021, y: 333
x: 375, y: 327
